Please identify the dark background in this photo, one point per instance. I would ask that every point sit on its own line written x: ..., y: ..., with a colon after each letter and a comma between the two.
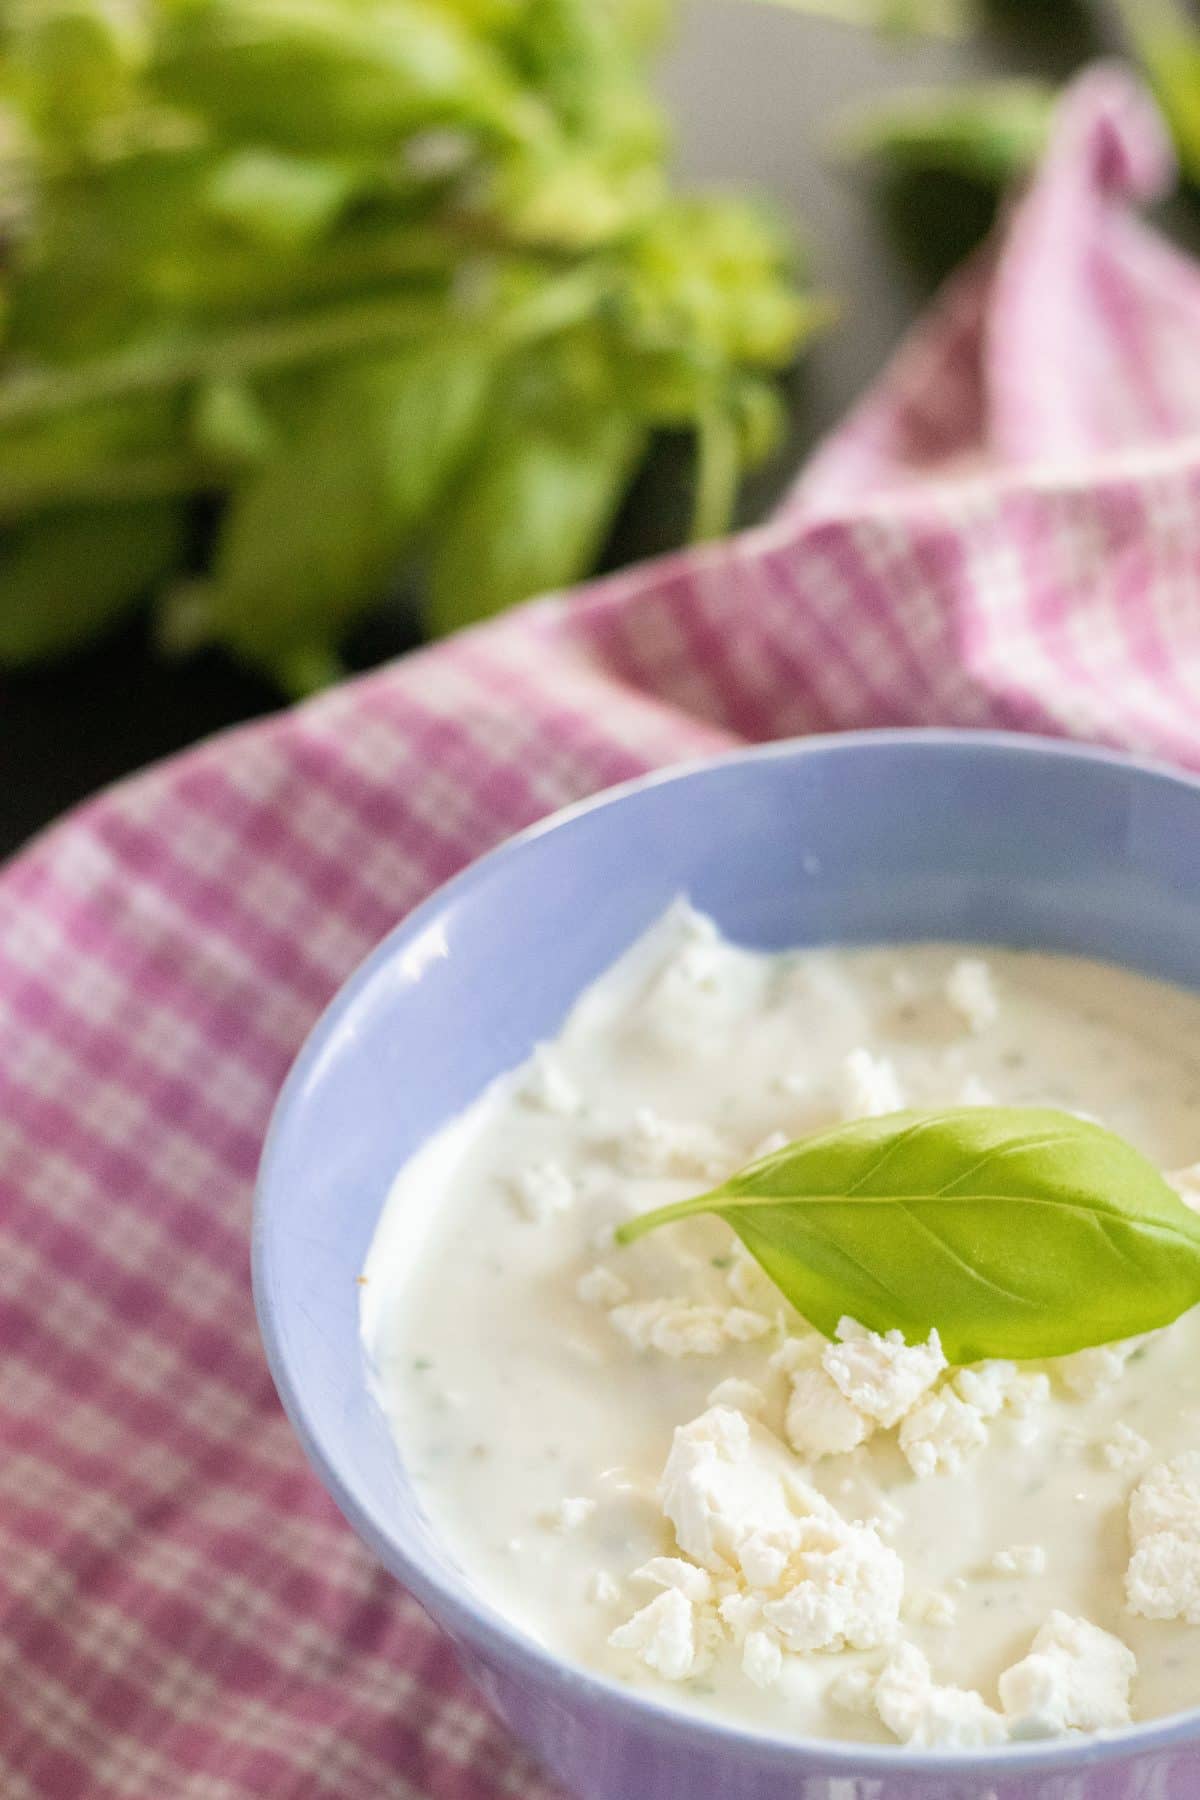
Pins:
x: 755, y: 91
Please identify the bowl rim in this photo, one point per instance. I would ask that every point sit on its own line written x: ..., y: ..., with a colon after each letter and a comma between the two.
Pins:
x: 475, y: 1622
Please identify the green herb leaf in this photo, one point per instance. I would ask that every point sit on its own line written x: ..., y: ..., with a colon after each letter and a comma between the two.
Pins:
x: 532, y: 510
x: 990, y: 131
x: 65, y: 577
x: 312, y: 74
x: 1017, y: 1232
x: 310, y: 538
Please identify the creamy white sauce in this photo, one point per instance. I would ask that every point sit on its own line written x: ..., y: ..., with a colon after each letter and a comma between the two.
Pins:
x: 537, y: 1432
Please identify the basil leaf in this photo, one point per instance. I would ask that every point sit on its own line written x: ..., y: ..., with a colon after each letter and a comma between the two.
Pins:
x: 990, y: 131
x: 310, y: 537
x: 65, y: 577
x: 1017, y: 1232
x: 532, y: 510
x: 317, y: 74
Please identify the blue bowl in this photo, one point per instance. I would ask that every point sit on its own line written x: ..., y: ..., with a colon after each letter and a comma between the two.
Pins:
x: 858, y: 838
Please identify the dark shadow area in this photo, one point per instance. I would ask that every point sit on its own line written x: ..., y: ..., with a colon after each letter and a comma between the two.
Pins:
x: 933, y: 219
x: 1052, y: 36
x: 75, y: 725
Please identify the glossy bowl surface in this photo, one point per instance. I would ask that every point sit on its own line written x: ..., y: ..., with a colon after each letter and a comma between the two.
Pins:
x: 857, y: 838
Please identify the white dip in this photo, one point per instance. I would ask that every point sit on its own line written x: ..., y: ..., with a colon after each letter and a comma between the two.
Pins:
x: 648, y: 1461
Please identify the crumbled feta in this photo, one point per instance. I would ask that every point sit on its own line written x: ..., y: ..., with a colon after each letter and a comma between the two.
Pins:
x: 1167, y: 1499
x: 820, y: 1421
x: 762, y: 1658
x: 1020, y: 1559
x: 869, y: 1086
x: 542, y: 1189
x: 743, y: 1396
x: 573, y: 1512
x: 970, y: 991
x: 1075, y: 1678
x: 654, y: 1146
x: 1186, y: 1183
x: 547, y: 1085
x: 674, y: 1572
x: 685, y: 1327
x: 853, y: 1690
x: 726, y: 1480
x: 603, y: 1590
x: 748, y: 1283
x: 882, y: 1377
x: 602, y: 1287
x: 1163, y: 1578
x: 793, y: 1082
x: 973, y: 1092
x: 999, y: 1386
x: 1089, y: 1373
x: 1124, y: 1448
x: 929, y: 1607
x: 738, y: 1508
x: 920, y: 1712
x: 843, y: 1587
x: 664, y: 1636
x: 770, y: 1145
x: 798, y: 1352
x: 940, y: 1433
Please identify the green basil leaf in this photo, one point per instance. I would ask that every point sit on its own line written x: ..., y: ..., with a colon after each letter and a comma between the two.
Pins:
x: 316, y: 74
x: 310, y: 537
x: 992, y: 131
x: 532, y: 511
x: 1017, y: 1232
x: 66, y: 576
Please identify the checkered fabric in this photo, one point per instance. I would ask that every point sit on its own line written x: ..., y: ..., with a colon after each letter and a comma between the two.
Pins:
x: 1006, y: 533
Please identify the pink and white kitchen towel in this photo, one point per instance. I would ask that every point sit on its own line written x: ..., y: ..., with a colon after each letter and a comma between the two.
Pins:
x: 1006, y: 532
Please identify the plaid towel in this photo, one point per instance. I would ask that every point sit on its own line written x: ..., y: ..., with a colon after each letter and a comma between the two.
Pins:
x: 1006, y: 533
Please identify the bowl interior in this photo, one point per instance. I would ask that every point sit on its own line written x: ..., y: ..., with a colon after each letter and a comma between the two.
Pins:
x: 885, y: 836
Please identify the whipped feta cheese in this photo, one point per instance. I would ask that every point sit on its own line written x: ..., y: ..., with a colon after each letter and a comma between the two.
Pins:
x: 652, y: 1463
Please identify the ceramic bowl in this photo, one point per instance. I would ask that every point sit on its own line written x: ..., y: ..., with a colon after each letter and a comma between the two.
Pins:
x: 858, y: 838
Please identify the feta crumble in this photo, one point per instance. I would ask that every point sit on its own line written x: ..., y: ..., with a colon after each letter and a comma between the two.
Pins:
x: 748, y: 1284
x: 728, y: 1479
x: 920, y: 1712
x: 1019, y: 1559
x: 1090, y: 1373
x: 940, y: 1433
x: 664, y: 1636
x: 882, y: 1377
x: 674, y: 1572
x: 762, y: 1658
x: 740, y: 1510
x: 819, y: 1420
x: 1186, y: 1183
x: 571, y: 1513
x: 742, y: 1396
x: 1124, y: 1448
x: 971, y: 993
x: 1075, y: 1678
x: 927, y: 1606
x: 548, y: 1086
x: 602, y: 1287
x: 1163, y: 1578
x: 853, y: 1690
x: 541, y: 1190
x: 869, y: 1086
x: 686, y: 1328
x: 654, y: 1146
